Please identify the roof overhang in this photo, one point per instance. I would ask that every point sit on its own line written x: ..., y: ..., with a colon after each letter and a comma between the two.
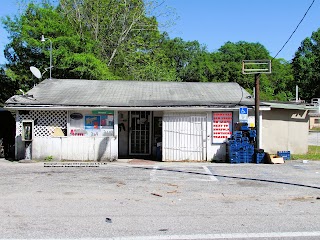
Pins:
x: 133, y: 108
x: 291, y: 106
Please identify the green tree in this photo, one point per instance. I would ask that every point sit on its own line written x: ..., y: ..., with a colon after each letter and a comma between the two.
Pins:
x: 73, y: 55
x: 190, y: 59
x: 306, y: 66
x: 227, y: 67
x: 8, y: 86
x: 281, y: 81
x: 144, y: 58
x: 125, y: 33
x: 112, y: 23
x: 228, y: 61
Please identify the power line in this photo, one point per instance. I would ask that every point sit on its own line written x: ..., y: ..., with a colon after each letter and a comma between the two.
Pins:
x: 295, y: 29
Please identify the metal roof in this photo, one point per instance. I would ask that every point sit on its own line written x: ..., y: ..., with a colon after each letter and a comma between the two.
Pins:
x: 290, y: 105
x: 109, y: 93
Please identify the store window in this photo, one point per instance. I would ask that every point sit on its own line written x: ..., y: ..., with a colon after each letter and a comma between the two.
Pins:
x: 92, y: 124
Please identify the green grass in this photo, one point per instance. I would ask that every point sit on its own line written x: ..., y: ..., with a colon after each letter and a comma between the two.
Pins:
x: 48, y: 158
x: 313, y: 154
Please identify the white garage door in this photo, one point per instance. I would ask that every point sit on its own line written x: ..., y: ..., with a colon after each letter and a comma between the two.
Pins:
x: 184, y: 137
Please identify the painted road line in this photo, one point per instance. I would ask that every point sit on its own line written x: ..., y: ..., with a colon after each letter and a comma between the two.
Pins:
x: 207, y: 170
x: 224, y: 236
x: 181, y: 174
x: 201, y: 236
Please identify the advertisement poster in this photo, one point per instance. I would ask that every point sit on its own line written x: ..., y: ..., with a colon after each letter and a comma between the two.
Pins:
x: 92, y: 122
x: 221, y: 126
x: 106, y: 121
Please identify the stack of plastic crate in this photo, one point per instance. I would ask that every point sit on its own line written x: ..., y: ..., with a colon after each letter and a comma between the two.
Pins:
x: 284, y: 154
x: 249, y: 148
x: 233, y: 151
x: 240, y: 147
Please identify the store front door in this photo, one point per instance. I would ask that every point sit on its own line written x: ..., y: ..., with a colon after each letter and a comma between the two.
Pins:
x: 140, y: 132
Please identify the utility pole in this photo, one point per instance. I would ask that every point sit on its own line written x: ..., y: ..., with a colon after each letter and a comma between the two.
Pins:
x: 257, y: 108
x: 256, y: 67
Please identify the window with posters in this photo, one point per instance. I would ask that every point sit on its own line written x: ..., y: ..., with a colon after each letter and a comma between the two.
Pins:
x: 221, y: 126
x: 93, y: 124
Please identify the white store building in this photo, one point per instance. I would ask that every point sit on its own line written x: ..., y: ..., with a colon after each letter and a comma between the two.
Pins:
x: 106, y: 120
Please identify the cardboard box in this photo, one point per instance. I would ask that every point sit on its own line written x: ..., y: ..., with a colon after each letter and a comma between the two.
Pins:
x: 277, y: 160
x: 273, y: 159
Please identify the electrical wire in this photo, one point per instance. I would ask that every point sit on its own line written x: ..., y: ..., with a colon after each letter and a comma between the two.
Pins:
x: 294, y: 29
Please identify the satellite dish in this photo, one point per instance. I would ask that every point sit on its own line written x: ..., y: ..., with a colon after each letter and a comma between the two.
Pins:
x: 36, y: 72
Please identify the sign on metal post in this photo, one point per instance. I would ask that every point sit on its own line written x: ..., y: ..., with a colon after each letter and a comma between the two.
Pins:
x: 256, y: 66
x: 243, y: 114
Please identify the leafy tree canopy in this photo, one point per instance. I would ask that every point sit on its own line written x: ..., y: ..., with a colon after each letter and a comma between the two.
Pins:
x: 306, y: 66
x: 120, y: 39
x: 73, y: 56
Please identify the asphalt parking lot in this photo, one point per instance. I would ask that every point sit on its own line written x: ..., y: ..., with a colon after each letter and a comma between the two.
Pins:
x: 152, y: 200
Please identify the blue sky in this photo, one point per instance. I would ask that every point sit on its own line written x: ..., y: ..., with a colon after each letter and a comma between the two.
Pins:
x: 214, y: 22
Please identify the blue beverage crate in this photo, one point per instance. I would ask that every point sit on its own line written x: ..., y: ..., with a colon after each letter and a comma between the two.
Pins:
x: 233, y: 154
x: 250, y: 151
x: 245, y: 139
x: 251, y: 159
x: 244, y: 160
x: 251, y: 154
x: 233, y: 160
x: 233, y: 143
x: 237, y: 133
x: 232, y: 151
x: 260, y: 157
x: 246, y: 145
x: 234, y: 147
x: 284, y: 154
x: 242, y: 152
x: 250, y: 148
x: 244, y: 128
x: 253, y: 133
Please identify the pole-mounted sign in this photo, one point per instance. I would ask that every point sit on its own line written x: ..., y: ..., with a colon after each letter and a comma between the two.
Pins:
x: 256, y: 67
x: 243, y: 114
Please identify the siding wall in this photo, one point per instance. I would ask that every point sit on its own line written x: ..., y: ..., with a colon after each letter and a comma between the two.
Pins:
x: 76, y: 148
x: 285, y: 130
x: 184, y: 137
x: 80, y: 148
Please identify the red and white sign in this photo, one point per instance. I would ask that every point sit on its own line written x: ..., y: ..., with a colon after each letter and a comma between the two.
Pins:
x: 221, y: 126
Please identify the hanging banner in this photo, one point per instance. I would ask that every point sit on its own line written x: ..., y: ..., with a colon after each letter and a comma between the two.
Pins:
x: 221, y: 126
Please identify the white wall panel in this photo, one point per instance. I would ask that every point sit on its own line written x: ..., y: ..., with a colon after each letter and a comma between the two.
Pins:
x: 184, y: 137
x: 75, y: 148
